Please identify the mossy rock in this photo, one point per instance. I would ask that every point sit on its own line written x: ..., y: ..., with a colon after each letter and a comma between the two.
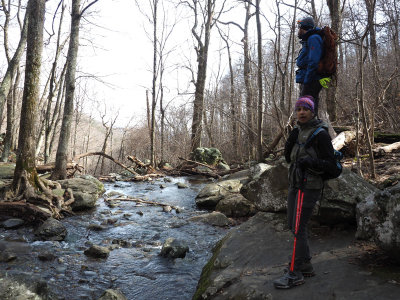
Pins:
x: 7, y: 170
x: 210, y: 156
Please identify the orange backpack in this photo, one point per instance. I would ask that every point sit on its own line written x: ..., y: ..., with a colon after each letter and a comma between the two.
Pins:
x: 328, y: 64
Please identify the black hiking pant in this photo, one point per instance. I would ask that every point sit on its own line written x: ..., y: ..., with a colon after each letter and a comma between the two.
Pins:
x: 313, y: 88
x: 302, y: 253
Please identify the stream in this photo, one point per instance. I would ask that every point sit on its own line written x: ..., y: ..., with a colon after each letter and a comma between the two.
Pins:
x: 136, y: 269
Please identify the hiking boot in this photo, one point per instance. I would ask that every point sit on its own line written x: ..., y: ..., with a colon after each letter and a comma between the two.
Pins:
x: 305, y: 268
x: 289, y: 280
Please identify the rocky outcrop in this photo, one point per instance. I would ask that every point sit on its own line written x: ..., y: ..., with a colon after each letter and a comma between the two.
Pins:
x: 268, y: 191
x: 86, y: 190
x: 51, y: 230
x: 235, y: 205
x: 174, y: 248
x: 378, y: 219
x: 247, y: 260
x: 268, y: 188
x: 340, y: 198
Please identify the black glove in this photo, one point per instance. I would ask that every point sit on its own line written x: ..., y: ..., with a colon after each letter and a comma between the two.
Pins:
x: 306, y: 162
x: 292, y: 138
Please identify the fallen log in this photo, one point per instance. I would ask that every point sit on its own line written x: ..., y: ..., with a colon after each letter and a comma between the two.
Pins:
x: 137, y: 200
x: 50, y: 167
x: 343, y: 139
x: 23, y: 210
x: 139, y: 163
x: 380, y: 151
x: 197, y: 163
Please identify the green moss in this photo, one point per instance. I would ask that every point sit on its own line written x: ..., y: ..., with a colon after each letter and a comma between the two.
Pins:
x: 204, y: 281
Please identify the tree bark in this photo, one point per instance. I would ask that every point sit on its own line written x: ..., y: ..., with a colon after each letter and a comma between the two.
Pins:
x: 26, y: 144
x: 202, y: 58
x: 260, y: 85
x: 10, y: 120
x: 60, y: 171
x: 335, y: 13
x: 13, y: 65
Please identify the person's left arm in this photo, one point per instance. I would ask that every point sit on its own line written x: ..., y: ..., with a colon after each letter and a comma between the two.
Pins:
x: 314, y: 43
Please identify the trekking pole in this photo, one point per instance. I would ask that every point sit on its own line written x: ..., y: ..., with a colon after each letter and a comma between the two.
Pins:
x: 300, y: 197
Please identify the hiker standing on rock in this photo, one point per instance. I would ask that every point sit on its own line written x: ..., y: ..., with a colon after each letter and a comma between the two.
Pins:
x: 307, y: 61
x: 310, y: 153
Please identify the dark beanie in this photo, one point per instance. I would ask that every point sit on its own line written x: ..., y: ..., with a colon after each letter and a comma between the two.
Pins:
x: 306, y: 23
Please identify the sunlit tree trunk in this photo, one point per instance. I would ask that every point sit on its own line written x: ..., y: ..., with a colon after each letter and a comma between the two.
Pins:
x: 60, y: 169
x: 25, y: 170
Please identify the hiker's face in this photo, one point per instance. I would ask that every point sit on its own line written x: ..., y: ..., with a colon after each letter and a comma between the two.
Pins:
x: 303, y: 114
x: 301, y: 32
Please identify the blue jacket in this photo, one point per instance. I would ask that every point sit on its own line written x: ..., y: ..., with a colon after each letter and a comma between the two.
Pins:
x: 309, y: 57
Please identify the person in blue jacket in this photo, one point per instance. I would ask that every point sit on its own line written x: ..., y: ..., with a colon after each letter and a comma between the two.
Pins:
x: 308, y: 59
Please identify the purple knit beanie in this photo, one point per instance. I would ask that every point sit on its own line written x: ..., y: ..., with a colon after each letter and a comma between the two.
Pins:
x: 305, y: 101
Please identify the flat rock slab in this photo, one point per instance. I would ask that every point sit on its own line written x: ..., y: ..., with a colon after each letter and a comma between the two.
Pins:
x: 252, y: 255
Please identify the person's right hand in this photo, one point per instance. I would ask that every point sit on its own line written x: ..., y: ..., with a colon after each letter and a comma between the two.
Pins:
x: 324, y: 82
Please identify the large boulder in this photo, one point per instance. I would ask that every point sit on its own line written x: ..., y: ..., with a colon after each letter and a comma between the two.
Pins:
x: 269, y: 190
x: 212, y: 193
x: 378, y: 219
x: 341, y: 196
x: 86, y: 190
x: 235, y: 205
x: 210, y: 156
x: 215, y: 219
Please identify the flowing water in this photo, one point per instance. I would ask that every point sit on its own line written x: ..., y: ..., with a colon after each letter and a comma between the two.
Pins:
x: 137, y: 269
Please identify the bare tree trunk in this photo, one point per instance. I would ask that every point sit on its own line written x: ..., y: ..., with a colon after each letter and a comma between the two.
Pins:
x: 335, y: 12
x: 202, y: 58
x: 25, y: 170
x: 10, y: 119
x: 363, y: 110
x: 260, y: 85
x: 60, y: 170
x: 247, y: 81
x: 154, y: 84
x: 13, y: 65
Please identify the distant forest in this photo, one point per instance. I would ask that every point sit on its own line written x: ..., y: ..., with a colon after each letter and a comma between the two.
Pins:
x: 246, y: 112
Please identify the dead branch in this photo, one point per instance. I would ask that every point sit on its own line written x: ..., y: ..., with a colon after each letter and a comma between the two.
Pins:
x: 77, y: 157
x: 139, y: 163
x: 137, y: 200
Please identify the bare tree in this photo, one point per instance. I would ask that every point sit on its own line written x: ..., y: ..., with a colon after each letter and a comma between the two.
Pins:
x: 25, y: 170
x: 205, y: 16
x: 60, y: 170
x: 13, y: 63
x: 260, y: 85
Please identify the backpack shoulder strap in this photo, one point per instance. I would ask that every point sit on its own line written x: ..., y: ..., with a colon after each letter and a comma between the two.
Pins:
x: 313, y: 135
